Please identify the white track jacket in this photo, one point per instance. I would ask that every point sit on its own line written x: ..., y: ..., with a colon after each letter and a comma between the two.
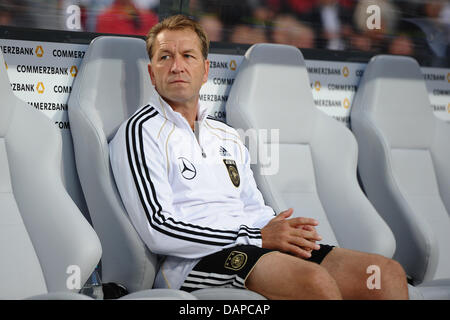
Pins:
x: 188, y: 194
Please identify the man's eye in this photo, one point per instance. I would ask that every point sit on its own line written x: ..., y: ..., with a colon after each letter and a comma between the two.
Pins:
x: 188, y: 55
x: 165, y: 57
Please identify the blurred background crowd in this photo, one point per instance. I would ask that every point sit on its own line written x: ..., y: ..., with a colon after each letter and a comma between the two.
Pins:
x: 408, y: 27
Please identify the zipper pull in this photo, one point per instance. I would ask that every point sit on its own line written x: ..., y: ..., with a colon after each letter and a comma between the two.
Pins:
x: 197, y: 136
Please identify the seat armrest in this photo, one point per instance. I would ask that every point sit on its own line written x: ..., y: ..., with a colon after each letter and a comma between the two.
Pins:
x: 414, y: 293
x: 159, y: 294
x: 435, y: 289
x: 60, y: 296
x: 227, y: 294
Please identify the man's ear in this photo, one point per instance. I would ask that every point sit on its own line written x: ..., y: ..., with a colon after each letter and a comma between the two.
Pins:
x: 150, y: 72
x: 205, y: 76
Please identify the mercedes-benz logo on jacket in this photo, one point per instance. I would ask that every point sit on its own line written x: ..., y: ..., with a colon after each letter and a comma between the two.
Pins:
x: 187, y: 169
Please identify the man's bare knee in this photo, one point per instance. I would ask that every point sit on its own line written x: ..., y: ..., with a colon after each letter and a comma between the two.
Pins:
x: 394, y: 280
x: 281, y: 276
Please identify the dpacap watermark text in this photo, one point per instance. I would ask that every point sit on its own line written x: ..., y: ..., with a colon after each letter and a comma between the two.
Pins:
x: 226, y: 309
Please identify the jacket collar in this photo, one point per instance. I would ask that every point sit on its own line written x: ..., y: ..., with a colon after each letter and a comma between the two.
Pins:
x: 177, y: 118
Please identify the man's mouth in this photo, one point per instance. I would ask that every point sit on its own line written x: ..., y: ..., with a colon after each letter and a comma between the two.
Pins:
x: 177, y: 81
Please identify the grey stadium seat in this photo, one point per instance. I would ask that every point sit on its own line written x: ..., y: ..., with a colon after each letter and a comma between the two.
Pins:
x: 113, y: 82
x: 404, y: 167
x: 317, y: 155
x: 42, y: 231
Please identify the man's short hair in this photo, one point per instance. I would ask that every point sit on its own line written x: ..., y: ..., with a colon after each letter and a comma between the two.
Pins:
x: 178, y: 22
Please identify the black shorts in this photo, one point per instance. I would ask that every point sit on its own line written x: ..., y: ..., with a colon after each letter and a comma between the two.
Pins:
x: 230, y: 267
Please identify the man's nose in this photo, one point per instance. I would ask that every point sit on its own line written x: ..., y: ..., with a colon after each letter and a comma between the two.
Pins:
x: 177, y: 65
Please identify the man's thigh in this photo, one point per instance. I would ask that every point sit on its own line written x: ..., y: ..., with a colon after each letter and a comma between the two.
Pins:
x: 282, y: 276
x: 231, y: 267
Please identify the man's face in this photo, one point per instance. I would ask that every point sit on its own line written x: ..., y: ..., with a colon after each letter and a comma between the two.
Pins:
x: 177, y: 68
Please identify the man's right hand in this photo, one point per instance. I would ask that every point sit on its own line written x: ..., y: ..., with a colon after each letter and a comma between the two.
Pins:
x: 296, y: 236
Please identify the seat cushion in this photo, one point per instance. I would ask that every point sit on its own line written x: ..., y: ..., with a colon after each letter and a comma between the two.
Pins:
x: 296, y: 181
x: 21, y: 274
x: 416, y: 178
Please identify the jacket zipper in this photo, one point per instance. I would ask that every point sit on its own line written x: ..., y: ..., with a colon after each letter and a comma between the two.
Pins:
x: 197, y: 137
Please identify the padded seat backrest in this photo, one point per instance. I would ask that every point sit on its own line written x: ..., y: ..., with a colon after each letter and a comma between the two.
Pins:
x: 402, y: 151
x: 42, y: 232
x: 112, y: 83
x: 312, y: 163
